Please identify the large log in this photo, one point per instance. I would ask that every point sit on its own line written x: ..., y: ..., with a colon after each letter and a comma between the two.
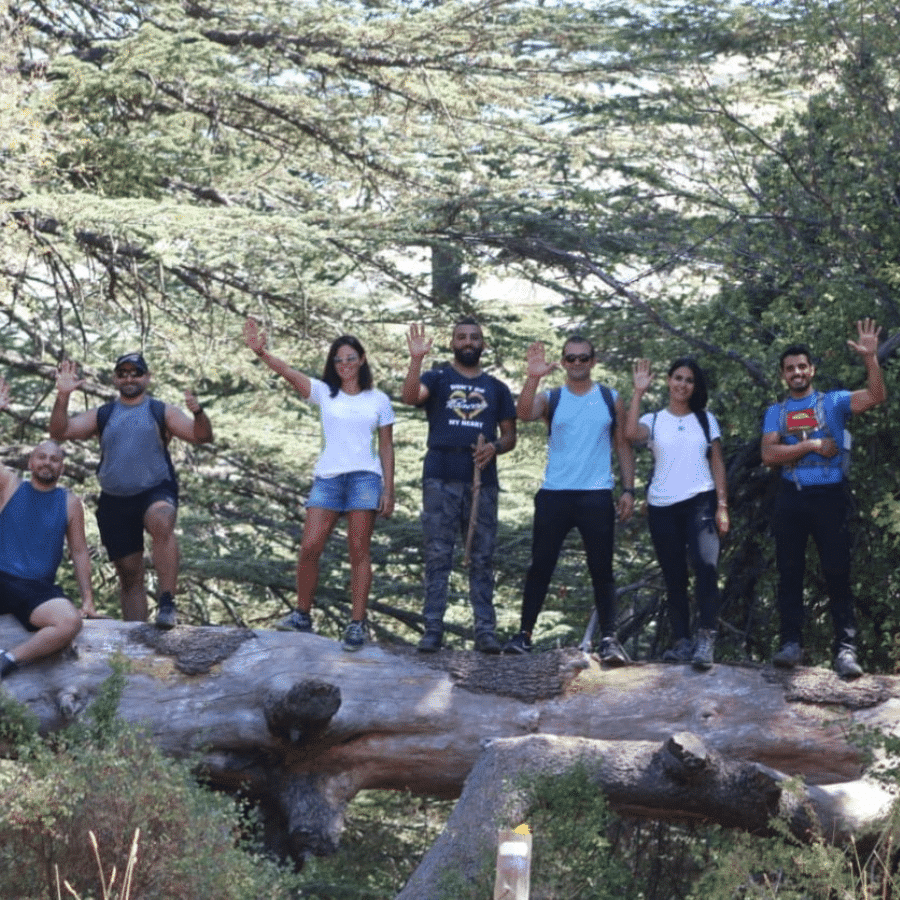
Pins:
x: 302, y: 726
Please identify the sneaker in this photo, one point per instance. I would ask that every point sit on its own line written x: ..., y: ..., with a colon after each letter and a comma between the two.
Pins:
x: 682, y: 652
x: 430, y: 641
x: 845, y: 664
x: 612, y: 653
x: 354, y: 636
x: 521, y: 643
x: 706, y: 645
x: 296, y: 621
x: 487, y: 642
x: 166, y: 616
x: 789, y: 656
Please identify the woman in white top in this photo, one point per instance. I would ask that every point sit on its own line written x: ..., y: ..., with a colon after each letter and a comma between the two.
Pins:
x: 687, y: 502
x: 349, y: 477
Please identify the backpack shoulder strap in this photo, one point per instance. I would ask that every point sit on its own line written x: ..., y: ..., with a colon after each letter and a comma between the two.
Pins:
x: 703, y: 419
x: 553, y: 402
x: 610, y: 403
x: 103, y: 414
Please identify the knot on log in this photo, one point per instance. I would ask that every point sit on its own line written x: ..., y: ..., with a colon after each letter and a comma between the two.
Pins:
x: 70, y: 703
x: 685, y: 757
x: 196, y: 650
x: 301, y: 711
x: 315, y: 814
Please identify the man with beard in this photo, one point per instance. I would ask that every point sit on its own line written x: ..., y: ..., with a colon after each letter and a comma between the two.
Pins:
x: 586, y: 422
x: 138, y: 481
x: 805, y: 436
x: 36, y: 517
x: 463, y: 404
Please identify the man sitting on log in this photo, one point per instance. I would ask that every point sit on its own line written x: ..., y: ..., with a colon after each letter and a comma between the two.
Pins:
x: 35, y: 517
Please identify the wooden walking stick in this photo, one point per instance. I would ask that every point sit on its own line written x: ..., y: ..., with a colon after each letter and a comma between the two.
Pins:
x: 473, y: 513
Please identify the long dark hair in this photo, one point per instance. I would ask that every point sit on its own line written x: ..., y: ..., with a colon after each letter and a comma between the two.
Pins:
x: 700, y: 396
x: 330, y: 375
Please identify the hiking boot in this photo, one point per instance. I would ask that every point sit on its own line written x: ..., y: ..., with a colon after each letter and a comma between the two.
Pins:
x: 682, y: 652
x: 521, y: 643
x: 430, y: 642
x: 296, y: 621
x: 166, y: 616
x: 487, y: 642
x: 354, y: 636
x: 706, y: 645
x: 612, y: 652
x: 845, y: 664
x: 789, y: 656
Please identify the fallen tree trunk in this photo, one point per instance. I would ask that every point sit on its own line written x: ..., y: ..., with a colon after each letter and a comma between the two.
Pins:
x: 301, y: 726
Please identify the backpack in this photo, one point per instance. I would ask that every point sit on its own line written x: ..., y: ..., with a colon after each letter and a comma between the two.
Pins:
x: 702, y: 418
x: 556, y: 393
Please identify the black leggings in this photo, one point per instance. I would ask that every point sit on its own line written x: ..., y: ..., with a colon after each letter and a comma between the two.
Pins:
x: 556, y: 513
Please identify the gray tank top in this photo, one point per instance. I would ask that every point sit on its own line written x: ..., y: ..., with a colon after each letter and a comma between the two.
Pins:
x: 133, y: 456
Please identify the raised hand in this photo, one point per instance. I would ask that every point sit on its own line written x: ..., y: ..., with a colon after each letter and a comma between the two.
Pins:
x: 642, y: 378
x: 536, y: 359
x: 67, y: 379
x: 867, y: 342
x: 418, y: 344
x: 254, y: 337
x: 191, y: 402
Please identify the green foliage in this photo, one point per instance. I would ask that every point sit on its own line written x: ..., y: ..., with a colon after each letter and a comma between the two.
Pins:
x: 104, y: 783
x: 571, y: 849
x: 384, y: 837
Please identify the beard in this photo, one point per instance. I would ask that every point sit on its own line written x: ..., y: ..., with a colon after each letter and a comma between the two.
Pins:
x: 468, y: 356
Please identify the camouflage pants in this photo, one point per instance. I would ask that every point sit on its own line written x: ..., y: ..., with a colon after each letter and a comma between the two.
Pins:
x: 446, y: 506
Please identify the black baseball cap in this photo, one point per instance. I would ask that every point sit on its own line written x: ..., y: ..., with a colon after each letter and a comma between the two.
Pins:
x: 135, y: 359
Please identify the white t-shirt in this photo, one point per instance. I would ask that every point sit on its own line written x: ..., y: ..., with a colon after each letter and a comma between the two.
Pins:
x: 349, y: 425
x: 681, y: 469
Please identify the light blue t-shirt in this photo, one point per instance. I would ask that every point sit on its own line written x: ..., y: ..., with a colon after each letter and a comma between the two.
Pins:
x: 579, y: 450
x: 813, y: 469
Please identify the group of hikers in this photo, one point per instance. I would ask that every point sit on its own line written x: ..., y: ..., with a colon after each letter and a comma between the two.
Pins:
x: 471, y: 421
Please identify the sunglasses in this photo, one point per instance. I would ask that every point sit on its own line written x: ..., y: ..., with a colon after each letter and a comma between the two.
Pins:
x: 577, y: 357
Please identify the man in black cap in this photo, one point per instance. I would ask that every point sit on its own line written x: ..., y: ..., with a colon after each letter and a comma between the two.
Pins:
x: 138, y: 482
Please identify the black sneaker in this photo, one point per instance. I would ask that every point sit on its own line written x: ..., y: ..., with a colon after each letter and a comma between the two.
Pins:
x: 487, y: 642
x: 706, y: 646
x: 296, y: 621
x: 612, y: 652
x: 845, y: 663
x: 430, y: 642
x: 521, y: 643
x: 682, y: 652
x: 166, y: 616
x: 789, y: 656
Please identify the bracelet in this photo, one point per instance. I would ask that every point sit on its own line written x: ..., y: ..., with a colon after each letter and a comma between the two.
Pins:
x: 723, y: 503
x: 628, y: 491
x: 198, y: 412
x: 496, y: 447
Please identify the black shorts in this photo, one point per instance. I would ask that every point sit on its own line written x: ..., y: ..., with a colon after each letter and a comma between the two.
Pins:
x: 121, y: 519
x: 20, y: 597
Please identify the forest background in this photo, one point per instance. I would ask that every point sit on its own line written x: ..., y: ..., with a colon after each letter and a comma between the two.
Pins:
x: 712, y: 179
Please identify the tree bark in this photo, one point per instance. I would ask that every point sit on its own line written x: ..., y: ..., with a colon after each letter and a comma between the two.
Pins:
x: 302, y: 726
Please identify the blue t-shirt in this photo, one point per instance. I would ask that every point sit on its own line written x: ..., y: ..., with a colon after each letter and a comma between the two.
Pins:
x: 579, y: 450
x: 458, y: 410
x: 813, y: 468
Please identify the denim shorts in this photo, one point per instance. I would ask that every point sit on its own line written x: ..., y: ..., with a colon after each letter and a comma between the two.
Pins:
x: 352, y: 490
